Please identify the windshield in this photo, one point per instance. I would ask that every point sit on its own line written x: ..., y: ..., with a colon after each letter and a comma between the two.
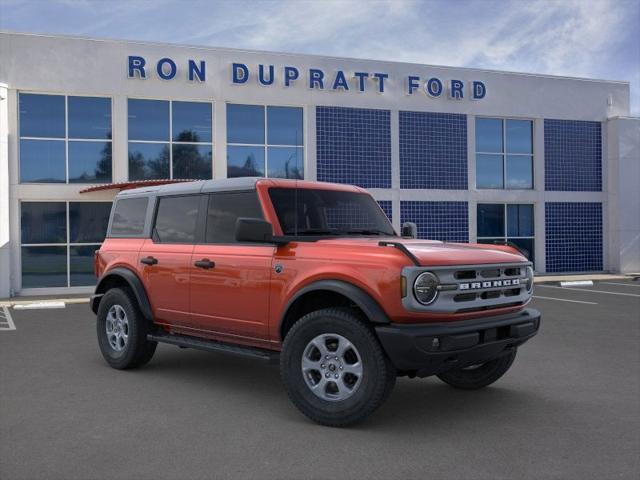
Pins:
x: 328, y: 212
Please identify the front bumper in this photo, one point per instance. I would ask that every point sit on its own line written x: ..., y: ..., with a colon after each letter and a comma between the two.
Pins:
x: 426, y: 350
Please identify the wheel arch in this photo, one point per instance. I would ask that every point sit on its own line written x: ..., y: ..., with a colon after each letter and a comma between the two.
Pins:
x: 121, y: 276
x: 330, y: 293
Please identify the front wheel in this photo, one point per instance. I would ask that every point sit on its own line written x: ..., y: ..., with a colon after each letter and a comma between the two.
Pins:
x: 479, y: 376
x: 334, y: 369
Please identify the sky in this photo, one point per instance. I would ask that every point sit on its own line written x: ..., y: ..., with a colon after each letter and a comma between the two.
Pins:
x: 579, y: 38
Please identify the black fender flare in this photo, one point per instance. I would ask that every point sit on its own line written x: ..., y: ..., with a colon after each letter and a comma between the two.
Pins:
x: 358, y: 296
x: 134, y: 283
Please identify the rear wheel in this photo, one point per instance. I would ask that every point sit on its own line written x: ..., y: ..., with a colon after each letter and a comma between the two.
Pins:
x: 122, y: 331
x: 334, y: 368
x: 479, y: 376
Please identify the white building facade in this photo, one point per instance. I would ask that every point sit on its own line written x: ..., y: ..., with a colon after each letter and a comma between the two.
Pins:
x: 551, y: 164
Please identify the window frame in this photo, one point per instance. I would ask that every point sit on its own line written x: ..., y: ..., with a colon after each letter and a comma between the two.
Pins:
x: 504, y: 154
x: 66, y: 139
x: 266, y: 145
x: 67, y: 244
x: 506, y: 237
x: 170, y: 142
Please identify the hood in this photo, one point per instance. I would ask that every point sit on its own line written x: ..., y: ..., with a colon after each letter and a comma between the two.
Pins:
x: 432, y: 252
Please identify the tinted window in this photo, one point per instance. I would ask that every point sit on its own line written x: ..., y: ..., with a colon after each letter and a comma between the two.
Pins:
x: 148, y: 161
x: 245, y: 124
x: 519, y: 172
x: 286, y: 162
x: 129, y: 216
x: 89, y: 162
x: 490, y: 220
x: 519, y: 136
x: 88, y: 221
x: 224, y: 209
x: 148, y: 120
x: 489, y: 135
x: 43, y: 222
x: 245, y: 161
x: 42, y: 161
x: 89, y: 117
x: 44, y: 267
x: 41, y: 116
x: 489, y: 171
x: 176, y: 219
x: 192, y: 161
x: 321, y: 212
x: 284, y: 126
x: 520, y: 220
x: 191, y: 122
x: 81, y: 265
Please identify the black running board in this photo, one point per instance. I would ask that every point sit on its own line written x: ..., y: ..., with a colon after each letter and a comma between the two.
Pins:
x: 186, y: 341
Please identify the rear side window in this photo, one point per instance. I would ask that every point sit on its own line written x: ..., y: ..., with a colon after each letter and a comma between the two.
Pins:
x: 176, y: 219
x: 224, y: 210
x: 128, y: 217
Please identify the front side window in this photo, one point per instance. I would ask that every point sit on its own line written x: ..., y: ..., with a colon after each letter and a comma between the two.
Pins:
x: 58, y: 242
x: 504, y: 153
x: 65, y: 139
x: 498, y: 222
x: 328, y: 212
x: 265, y: 141
x: 170, y: 139
x: 223, y: 212
x: 176, y: 219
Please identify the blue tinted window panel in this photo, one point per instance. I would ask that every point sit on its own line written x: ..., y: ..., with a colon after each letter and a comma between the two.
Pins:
x: 433, y: 150
x: 354, y: 146
x: 88, y: 221
x: 44, y: 267
x: 41, y: 115
x: 245, y: 124
x: 387, y: 208
x: 81, y: 265
x: 286, y: 162
x: 42, y: 161
x: 148, y: 119
x: 572, y: 155
x: 192, y: 122
x: 489, y: 135
x: 446, y: 221
x: 89, y: 117
x: 573, y: 236
x: 148, y: 161
x: 284, y: 126
x: 245, y: 161
x: 89, y: 162
x: 490, y: 219
x: 43, y: 222
x: 192, y: 161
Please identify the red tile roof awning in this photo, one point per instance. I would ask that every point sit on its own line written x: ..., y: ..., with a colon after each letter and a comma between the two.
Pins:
x: 134, y: 184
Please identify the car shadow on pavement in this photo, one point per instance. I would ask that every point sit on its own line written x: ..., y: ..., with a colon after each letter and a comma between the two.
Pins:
x: 414, y: 404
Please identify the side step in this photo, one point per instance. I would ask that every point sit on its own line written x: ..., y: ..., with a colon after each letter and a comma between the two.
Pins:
x: 186, y: 341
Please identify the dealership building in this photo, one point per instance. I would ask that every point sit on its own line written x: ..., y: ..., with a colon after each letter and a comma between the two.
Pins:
x: 549, y: 163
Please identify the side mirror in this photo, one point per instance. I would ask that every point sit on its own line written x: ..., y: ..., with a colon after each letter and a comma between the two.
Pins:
x: 253, y: 230
x: 409, y: 230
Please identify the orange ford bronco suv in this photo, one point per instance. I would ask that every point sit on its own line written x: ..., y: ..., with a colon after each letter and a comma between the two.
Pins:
x: 313, y: 274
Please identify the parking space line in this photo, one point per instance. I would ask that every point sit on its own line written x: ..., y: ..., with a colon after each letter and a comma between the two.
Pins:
x: 623, y: 284
x: 590, y: 290
x: 565, y: 300
x: 6, y: 322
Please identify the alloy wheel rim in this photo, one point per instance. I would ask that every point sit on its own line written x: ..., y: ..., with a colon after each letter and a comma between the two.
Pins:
x: 332, y: 367
x: 117, y: 328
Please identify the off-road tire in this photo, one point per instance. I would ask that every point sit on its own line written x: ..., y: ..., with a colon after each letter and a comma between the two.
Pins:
x: 378, y: 377
x: 480, y: 377
x: 138, y: 350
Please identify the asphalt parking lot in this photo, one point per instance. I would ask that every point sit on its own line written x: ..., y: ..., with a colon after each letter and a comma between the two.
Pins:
x: 568, y: 408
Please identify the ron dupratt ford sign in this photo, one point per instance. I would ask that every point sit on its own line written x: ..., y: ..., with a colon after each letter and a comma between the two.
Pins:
x: 313, y: 78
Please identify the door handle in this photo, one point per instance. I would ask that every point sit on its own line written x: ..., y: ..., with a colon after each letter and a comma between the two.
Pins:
x: 149, y: 260
x: 205, y: 263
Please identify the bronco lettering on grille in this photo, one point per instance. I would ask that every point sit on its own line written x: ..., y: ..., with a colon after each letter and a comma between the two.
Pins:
x: 489, y: 284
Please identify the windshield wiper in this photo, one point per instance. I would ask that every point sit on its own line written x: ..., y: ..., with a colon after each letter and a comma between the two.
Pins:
x: 366, y: 231
x: 317, y: 231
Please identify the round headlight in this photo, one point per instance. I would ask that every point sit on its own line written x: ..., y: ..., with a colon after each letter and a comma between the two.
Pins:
x: 425, y: 288
x: 529, y: 280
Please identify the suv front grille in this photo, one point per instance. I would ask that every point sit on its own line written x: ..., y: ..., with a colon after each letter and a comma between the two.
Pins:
x: 474, y: 287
